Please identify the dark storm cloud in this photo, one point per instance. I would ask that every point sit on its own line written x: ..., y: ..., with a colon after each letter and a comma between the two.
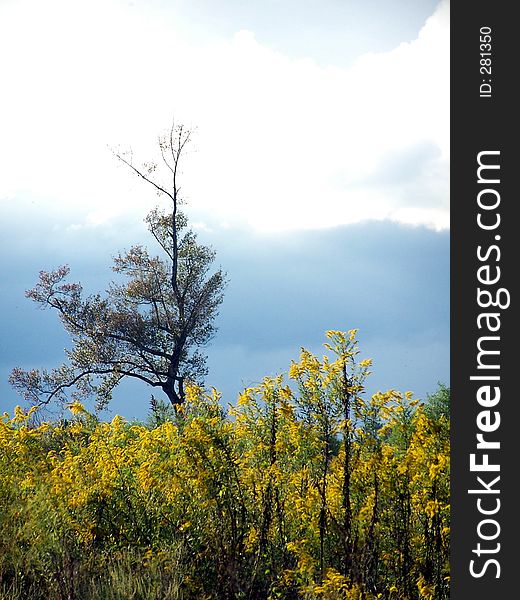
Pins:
x: 385, y: 279
x: 285, y: 291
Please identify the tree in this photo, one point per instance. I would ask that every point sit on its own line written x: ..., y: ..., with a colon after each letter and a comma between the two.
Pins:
x: 153, y: 318
x: 438, y: 404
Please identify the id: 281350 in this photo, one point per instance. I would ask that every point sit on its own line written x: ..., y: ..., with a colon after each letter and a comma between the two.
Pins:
x: 485, y: 62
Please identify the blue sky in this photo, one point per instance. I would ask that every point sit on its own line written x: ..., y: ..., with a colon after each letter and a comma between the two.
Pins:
x: 319, y: 171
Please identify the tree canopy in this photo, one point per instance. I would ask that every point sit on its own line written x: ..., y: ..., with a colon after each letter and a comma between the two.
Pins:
x: 152, y: 320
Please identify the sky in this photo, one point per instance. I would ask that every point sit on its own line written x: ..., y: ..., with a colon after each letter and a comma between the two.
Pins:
x: 319, y: 170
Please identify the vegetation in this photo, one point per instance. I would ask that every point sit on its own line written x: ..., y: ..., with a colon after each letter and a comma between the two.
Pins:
x: 304, y: 489
x: 152, y: 320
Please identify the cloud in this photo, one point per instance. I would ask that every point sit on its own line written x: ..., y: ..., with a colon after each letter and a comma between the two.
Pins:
x: 282, y: 143
x: 388, y: 280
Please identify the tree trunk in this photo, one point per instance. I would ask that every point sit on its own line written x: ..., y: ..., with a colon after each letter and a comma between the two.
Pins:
x: 175, y: 397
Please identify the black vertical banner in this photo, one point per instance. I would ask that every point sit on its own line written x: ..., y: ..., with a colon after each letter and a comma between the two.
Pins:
x: 485, y: 361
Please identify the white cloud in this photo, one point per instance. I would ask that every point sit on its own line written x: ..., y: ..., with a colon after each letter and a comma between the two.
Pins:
x: 281, y: 143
